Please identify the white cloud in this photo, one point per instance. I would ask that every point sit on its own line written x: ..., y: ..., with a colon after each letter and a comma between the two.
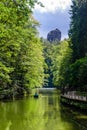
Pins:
x: 53, y: 5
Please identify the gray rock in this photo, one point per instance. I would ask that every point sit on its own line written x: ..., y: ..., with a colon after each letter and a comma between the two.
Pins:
x: 54, y: 35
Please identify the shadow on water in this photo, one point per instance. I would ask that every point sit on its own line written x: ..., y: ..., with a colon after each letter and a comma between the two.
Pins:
x: 44, y: 113
x: 75, y: 115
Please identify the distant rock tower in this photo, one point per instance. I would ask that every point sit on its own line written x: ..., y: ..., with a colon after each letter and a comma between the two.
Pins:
x: 54, y: 35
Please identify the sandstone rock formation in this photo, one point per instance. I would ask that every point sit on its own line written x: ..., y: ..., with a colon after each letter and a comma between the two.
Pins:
x: 54, y: 35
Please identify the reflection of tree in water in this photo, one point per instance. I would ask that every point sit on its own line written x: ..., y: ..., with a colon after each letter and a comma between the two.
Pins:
x: 44, y: 113
x: 8, y: 125
x: 73, y: 115
x: 53, y: 114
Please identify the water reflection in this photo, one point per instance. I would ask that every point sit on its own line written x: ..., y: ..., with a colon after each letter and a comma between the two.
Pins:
x: 44, y: 113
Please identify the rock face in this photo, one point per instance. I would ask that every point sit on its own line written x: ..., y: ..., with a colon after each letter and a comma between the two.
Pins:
x: 54, y: 35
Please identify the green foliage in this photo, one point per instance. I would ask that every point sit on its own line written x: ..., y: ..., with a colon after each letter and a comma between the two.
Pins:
x: 78, y: 28
x: 78, y: 36
x: 21, y: 52
x: 4, y: 74
x: 34, y: 65
x: 49, y: 49
x: 60, y: 66
x: 58, y: 56
x: 78, y: 74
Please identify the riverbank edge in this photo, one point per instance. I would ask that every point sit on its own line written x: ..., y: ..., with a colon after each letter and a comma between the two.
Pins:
x: 82, y: 105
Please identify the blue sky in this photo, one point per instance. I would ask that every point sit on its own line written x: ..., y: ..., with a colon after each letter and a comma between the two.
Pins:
x: 54, y: 15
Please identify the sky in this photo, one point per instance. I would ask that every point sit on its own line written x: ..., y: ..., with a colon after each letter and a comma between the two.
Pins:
x: 54, y: 14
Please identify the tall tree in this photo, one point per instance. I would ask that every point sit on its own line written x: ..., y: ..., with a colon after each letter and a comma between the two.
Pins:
x: 78, y: 28
x: 21, y: 57
x: 60, y: 65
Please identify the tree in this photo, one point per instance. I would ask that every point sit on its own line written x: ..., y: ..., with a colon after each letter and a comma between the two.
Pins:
x: 60, y: 66
x: 78, y: 75
x: 78, y: 28
x: 78, y: 36
x: 21, y: 52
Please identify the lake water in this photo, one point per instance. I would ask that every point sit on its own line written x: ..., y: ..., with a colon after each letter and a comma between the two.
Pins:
x: 44, y: 113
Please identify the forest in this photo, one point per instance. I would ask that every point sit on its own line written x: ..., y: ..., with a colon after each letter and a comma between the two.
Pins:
x: 28, y: 61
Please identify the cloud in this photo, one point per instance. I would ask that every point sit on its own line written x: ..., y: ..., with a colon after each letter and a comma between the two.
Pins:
x: 53, y: 5
x: 48, y: 22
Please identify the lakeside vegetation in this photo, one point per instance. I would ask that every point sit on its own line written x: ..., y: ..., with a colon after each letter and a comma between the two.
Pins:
x: 27, y: 61
x: 69, y: 57
x: 21, y: 53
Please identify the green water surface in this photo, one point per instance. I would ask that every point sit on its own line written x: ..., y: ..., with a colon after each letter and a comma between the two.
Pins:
x: 44, y: 113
